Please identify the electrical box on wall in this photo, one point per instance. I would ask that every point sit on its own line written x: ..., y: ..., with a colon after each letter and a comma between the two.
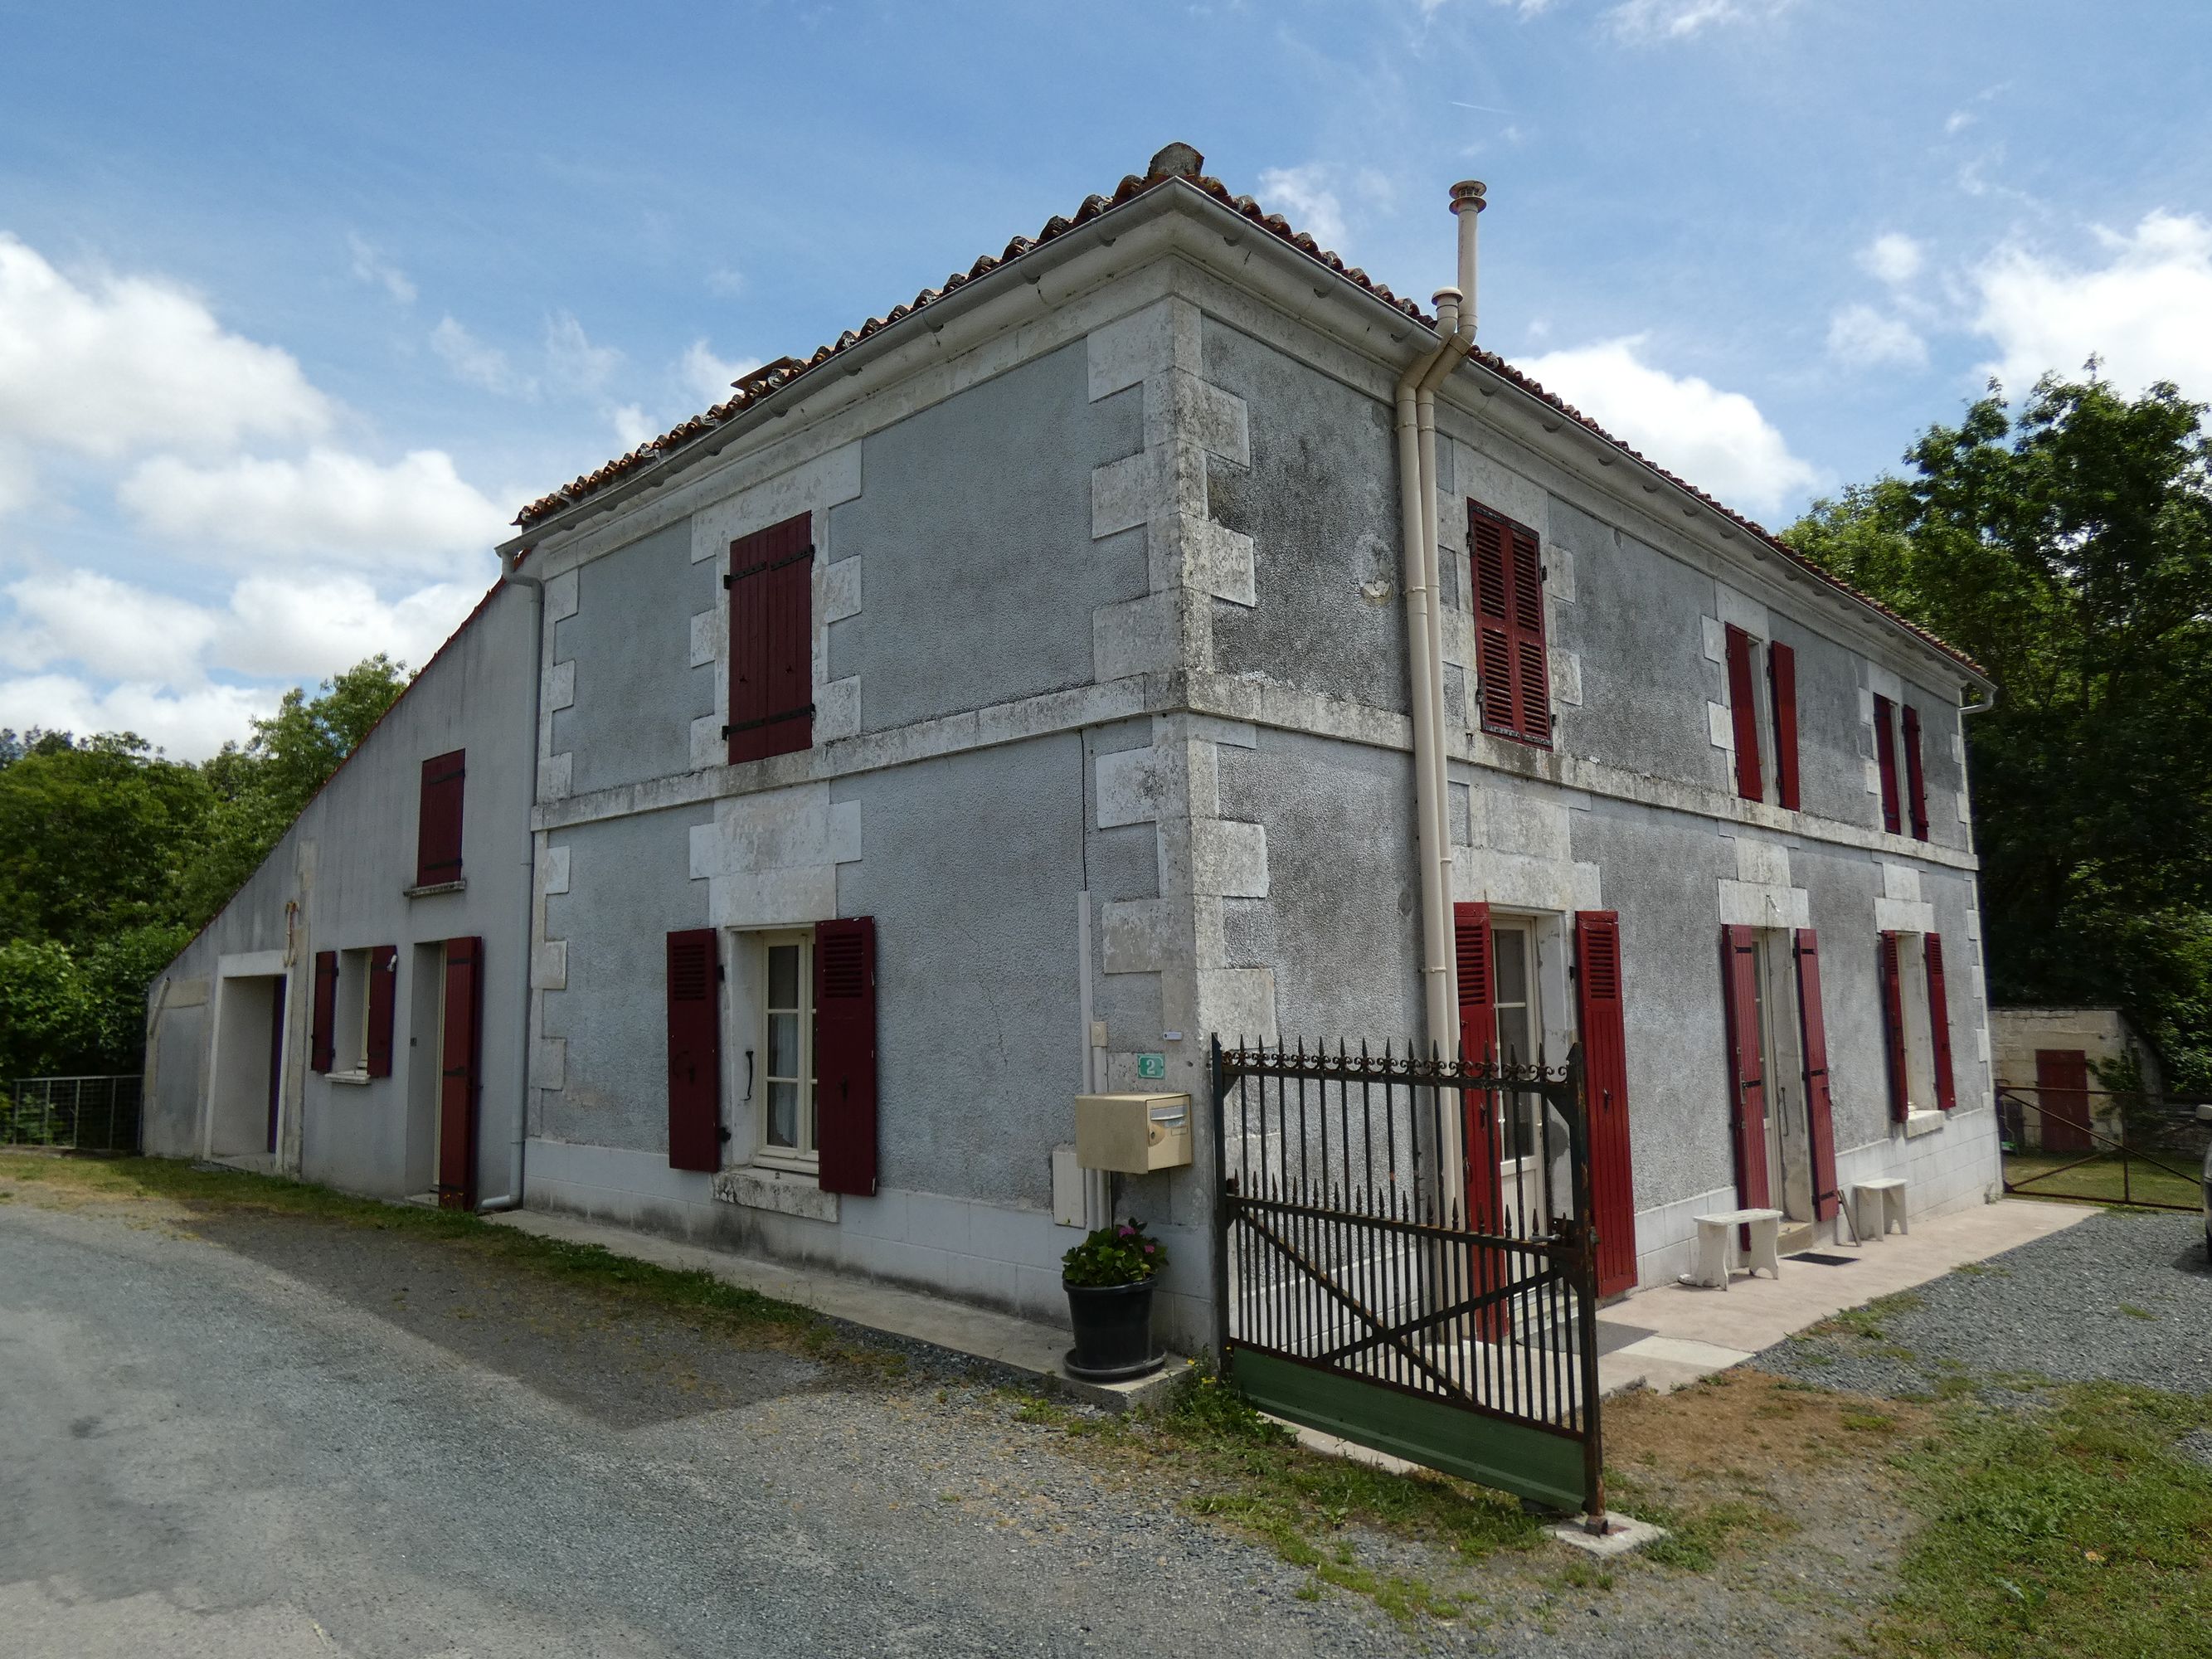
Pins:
x: 1132, y: 1134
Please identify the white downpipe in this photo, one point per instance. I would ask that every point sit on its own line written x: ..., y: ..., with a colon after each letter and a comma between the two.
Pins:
x: 1417, y: 487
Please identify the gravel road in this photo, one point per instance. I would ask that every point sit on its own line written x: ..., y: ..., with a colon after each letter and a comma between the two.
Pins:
x: 2119, y: 1297
x: 267, y: 1436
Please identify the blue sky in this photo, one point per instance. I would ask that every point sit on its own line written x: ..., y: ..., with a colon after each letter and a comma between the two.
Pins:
x: 298, y: 303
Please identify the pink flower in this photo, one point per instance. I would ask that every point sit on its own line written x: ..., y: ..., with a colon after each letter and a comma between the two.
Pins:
x: 1128, y: 1232
x: 1149, y: 1248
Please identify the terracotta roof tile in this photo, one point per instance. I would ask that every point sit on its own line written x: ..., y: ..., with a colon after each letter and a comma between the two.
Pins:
x: 763, y: 384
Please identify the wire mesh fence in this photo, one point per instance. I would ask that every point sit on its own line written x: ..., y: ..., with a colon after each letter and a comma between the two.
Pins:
x: 70, y: 1114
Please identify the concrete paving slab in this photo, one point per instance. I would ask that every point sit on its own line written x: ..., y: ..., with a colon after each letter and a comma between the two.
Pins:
x: 1685, y: 1321
x: 1019, y: 1345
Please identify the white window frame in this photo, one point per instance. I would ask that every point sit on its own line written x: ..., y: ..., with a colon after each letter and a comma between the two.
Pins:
x: 350, y: 1017
x: 805, y: 1157
x: 1919, y: 1025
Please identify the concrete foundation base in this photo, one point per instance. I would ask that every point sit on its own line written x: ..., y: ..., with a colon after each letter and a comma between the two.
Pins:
x: 1622, y: 1534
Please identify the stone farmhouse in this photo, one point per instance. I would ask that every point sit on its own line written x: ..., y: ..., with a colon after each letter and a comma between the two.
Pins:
x: 1159, y: 631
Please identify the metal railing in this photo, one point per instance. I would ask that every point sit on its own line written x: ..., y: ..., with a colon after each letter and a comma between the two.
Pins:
x: 2067, y: 1143
x: 71, y: 1113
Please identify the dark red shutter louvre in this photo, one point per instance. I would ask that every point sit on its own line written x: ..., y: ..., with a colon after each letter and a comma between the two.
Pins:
x: 1916, y: 785
x: 322, y: 1037
x: 1939, y: 1025
x: 1885, y: 759
x: 1509, y: 616
x: 1820, y: 1109
x: 1603, y: 1031
x: 845, y: 1054
x: 1744, y: 713
x: 1893, y: 1028
x: 438, y: 828
x: 1782, y: 681
x: 383, y: 984
x: 1478, y: 1043
x: 460, y: 1082
x: 1747, y: 1065
x: 1531, y: 671
x: 1493, y: 618
x: 771, y: 583
x: 694, y: 1050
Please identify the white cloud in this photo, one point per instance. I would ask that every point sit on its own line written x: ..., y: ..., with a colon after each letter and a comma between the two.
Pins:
x: 418, y: 511
x: 479, y: 364
x: 372, y: 267
x: 1893, y: 257
x: 571, y: 362
x: 116, y: 363
x: 1304, y: 196
x: 310, y: 626
x: 188, y: 726
x: 1862, y: 336
x: 17, y: 482
x: 107, y: 628
x: 631, y: 427
x: 2143, y: 310
x: 1959, y: 121
x: 1677, y: 20
x: 1716, y: 440
x: 726, y: 283
x: 709, y: 377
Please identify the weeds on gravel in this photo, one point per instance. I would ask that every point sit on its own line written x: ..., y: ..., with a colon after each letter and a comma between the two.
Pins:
x: 2082, y: 1531
x: 1867, y: 1321
x: 206, y: 1192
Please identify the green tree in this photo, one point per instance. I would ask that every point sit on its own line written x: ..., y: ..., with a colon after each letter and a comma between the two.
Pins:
x: 2067, y: 545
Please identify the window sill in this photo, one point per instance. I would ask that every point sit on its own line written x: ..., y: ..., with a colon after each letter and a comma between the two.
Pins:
x: 1923, y: 1123
x: 351, y: 1079
x: 784, y: 1191
x: 460, y: 884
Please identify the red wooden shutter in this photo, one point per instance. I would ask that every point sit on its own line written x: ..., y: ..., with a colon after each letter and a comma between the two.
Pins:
x: 1531, y: 671
x: 695, y: 1051
x: 1939, y: 1025
x: 322, y: 1037
x: 1820, y: 1109
x: 1782, y: 681
x: 1744, y: 713
x: 461, y: 1082
x: 845, y: 1054
x: 1893, y: 1028
x: 438, y: 827
x: 1885, y: 757
x: 383, y: 984
x: 1598, y: 1019
x: 1916, y: 785
x: 771, y: 583
x: 1747, y: 1065
x: 1478, y: 1044
x: 1509, y: 611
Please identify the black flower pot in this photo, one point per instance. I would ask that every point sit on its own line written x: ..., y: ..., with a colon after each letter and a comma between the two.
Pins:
x: 1113, y: 1331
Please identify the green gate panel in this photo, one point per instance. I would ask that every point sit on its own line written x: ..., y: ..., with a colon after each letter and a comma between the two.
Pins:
x: 1528, y: 1462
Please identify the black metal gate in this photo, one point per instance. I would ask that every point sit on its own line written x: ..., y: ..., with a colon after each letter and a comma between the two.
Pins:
x: 1404, y: 1257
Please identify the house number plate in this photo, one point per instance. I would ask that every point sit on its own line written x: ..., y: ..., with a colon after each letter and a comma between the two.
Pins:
x: 1152, y: 1065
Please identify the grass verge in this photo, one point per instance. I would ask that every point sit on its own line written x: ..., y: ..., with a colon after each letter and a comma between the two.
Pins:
x: 2082, y: 1530
x: 2102, y: 1180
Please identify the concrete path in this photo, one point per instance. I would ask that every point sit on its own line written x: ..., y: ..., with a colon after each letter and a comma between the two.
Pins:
x: 1679, y: 1333
x: 1019, y: 1345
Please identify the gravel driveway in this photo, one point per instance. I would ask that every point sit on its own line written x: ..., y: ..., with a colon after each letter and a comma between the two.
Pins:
x: 2124, y: 1297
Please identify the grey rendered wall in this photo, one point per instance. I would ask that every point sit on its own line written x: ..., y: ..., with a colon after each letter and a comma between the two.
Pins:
x: 975, y: 521
x: 1339, y: 925
x: 1636, y: 625
x: 636, y: 692
x: 345, y: 864
x: 1320, y: 501
x: 1660, y: 874
x: 629, y: 887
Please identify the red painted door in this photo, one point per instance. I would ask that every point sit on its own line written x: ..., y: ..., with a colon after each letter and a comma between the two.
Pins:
x: 2062, y: 1089
x: 1747, y: 1064
x: 460, y: 1085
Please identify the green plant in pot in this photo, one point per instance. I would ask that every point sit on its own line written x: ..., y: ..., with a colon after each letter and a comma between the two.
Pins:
x: 1108, y: 1278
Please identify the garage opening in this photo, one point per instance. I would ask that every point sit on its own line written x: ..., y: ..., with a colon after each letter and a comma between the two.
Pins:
x: 244, y: 1106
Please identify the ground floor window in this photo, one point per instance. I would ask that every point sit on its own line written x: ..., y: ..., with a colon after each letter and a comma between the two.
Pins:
x: 786, y: 1117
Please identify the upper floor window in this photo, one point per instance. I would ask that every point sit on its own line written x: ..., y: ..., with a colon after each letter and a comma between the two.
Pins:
x: 1907, y: 805
x: 438, y: 829
x: 771, y: 584
x: 1777, y: 732
x: 1515, y: 689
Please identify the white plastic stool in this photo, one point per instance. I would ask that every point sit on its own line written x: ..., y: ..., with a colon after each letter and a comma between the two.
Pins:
x: 1875, y: 1203
x: 1717, y: 1245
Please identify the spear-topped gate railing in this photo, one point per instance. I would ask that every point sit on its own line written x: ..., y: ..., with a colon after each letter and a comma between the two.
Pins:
x: 1405, y: 1257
